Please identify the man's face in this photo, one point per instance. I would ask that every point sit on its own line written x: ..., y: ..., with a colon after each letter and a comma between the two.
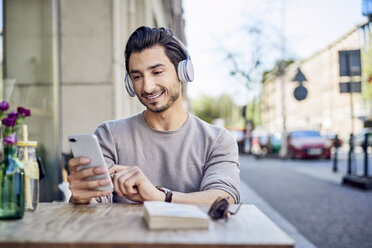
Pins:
x: 154, y: 79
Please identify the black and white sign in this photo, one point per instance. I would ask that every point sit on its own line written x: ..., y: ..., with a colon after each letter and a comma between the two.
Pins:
x: 350, y: 64
x: 300, y: 77
x: 350, y: 87
x: 300, y: 93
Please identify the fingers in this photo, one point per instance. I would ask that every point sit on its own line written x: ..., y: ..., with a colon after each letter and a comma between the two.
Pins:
x: 114, y: 172
x: 116, y: 168
x: 83, y: 174
x: 121, y: 185
x: 112, y: 169
x: 131, y: 182
x: 89, y: 184
x: 81, y: 188
x: 75, y: 162
x: 82, y: 197
x: 126, y: 181
x: 77, y: 184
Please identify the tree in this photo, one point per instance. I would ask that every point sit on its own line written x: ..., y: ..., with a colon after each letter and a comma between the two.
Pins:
x: 209, y: 108
x: 367, y: 73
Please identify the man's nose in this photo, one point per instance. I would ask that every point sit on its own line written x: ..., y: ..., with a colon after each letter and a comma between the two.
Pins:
x: 148, y: 84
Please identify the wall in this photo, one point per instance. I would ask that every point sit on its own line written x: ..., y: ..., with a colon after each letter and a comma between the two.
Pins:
x: 93, y: 60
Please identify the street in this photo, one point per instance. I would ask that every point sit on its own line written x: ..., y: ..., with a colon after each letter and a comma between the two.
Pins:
x: 311, y: 197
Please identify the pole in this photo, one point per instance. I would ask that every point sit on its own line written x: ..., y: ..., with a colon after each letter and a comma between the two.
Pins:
x: 351, y: 141
x: 282, y: 65
x: 351, y: 110
x: 351, y: 94
x: 335, y: 169
x: 351, y: 151
x: 336, y: 145
x: 365, y: 149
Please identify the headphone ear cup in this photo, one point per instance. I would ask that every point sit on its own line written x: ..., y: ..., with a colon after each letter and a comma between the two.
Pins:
x: 180, y: 71
x: 129, y: 85
x: 189, y: 70
x: 185, y: 71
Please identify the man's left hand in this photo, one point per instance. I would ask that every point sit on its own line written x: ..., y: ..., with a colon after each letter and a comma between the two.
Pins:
x: 129, y: 181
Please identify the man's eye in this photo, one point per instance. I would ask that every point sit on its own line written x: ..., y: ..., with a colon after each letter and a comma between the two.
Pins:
x: 135, y: 77
x: 157, y: 72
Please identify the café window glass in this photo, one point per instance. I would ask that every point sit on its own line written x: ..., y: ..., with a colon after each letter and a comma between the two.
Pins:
x: 30, y: 77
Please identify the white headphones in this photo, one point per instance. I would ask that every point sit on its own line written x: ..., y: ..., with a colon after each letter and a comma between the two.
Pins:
x: 185, y: 71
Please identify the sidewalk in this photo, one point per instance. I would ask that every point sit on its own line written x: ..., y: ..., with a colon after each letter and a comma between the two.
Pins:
x: 248, y: 196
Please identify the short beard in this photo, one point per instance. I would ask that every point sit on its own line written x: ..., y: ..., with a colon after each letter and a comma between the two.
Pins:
x: 173, y: 97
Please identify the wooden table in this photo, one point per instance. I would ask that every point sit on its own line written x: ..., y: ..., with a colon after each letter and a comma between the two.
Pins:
x: 123, y: 225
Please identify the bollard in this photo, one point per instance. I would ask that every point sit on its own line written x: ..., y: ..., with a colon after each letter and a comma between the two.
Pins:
x: 362, y: 182
x: 351, y: 152
x: 335, y: 159
x: 365, y: 150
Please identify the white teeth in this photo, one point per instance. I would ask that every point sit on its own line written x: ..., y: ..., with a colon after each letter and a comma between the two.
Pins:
x: 153, y: 97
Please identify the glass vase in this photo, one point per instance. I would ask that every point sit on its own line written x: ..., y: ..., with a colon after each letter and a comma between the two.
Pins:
x: 11, y: 185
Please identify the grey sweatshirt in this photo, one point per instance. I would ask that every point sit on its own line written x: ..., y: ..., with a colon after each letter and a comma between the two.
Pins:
x: 196, y: 157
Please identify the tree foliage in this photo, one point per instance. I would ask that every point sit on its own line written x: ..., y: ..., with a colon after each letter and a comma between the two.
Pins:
x: 253, y: 111
x: 367, y: 73
x: 209, y: 108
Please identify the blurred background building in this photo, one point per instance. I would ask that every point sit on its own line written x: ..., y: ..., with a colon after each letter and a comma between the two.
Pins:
x: 324, y: 109
x: 64, y: 59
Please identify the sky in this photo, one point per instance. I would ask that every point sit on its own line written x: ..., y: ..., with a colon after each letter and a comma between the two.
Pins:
x: 258, y: 30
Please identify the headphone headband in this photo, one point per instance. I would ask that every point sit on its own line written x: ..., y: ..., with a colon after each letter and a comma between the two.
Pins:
x: 184, y: 48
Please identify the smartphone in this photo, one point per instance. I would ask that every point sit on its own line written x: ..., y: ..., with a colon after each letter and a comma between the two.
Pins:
x: 86, y: 145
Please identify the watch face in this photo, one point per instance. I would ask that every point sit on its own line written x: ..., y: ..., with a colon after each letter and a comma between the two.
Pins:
x: 168, y: 193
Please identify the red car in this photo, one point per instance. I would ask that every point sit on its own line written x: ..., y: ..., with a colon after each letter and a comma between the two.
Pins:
x: 308, y: 144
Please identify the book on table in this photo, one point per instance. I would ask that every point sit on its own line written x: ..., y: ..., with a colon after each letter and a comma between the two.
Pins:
x: 164, y: 215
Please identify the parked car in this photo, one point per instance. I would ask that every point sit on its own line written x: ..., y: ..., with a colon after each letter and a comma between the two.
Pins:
x: 308, y: 144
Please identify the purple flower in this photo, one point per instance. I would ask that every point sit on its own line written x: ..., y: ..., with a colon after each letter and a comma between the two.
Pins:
x: 9, y: 122
x: 11, y: 139
x: 4, y: 106
x: 13, y: 115
x: 23, y: 111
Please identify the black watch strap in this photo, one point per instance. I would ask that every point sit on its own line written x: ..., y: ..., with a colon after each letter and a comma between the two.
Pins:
x: 168, y: 193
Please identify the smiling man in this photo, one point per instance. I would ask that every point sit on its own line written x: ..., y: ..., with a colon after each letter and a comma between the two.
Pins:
x: 163, y: 153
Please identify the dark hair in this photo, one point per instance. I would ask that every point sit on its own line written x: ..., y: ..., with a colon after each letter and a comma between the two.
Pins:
x: 145, y: 37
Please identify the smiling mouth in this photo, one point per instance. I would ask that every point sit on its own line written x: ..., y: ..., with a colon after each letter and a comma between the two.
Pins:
x: 154, y: 98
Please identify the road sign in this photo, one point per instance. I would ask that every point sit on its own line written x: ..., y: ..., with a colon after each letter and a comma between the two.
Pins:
x: 350, y: 87
x: 300, y: 77
x: 300, y: 93
x: 350, y: 64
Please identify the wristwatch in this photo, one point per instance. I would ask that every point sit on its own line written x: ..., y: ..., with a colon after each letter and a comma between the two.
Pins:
x: 168, y: 193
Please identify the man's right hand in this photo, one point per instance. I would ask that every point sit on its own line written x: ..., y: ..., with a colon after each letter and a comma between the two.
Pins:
x: 82, y: 189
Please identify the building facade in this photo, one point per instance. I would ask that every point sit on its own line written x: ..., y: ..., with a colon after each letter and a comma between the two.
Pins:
x: 64, y: 59
x: 325, y: 108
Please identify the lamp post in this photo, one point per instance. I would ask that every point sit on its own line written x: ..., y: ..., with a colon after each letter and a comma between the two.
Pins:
x: 282, y: 65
